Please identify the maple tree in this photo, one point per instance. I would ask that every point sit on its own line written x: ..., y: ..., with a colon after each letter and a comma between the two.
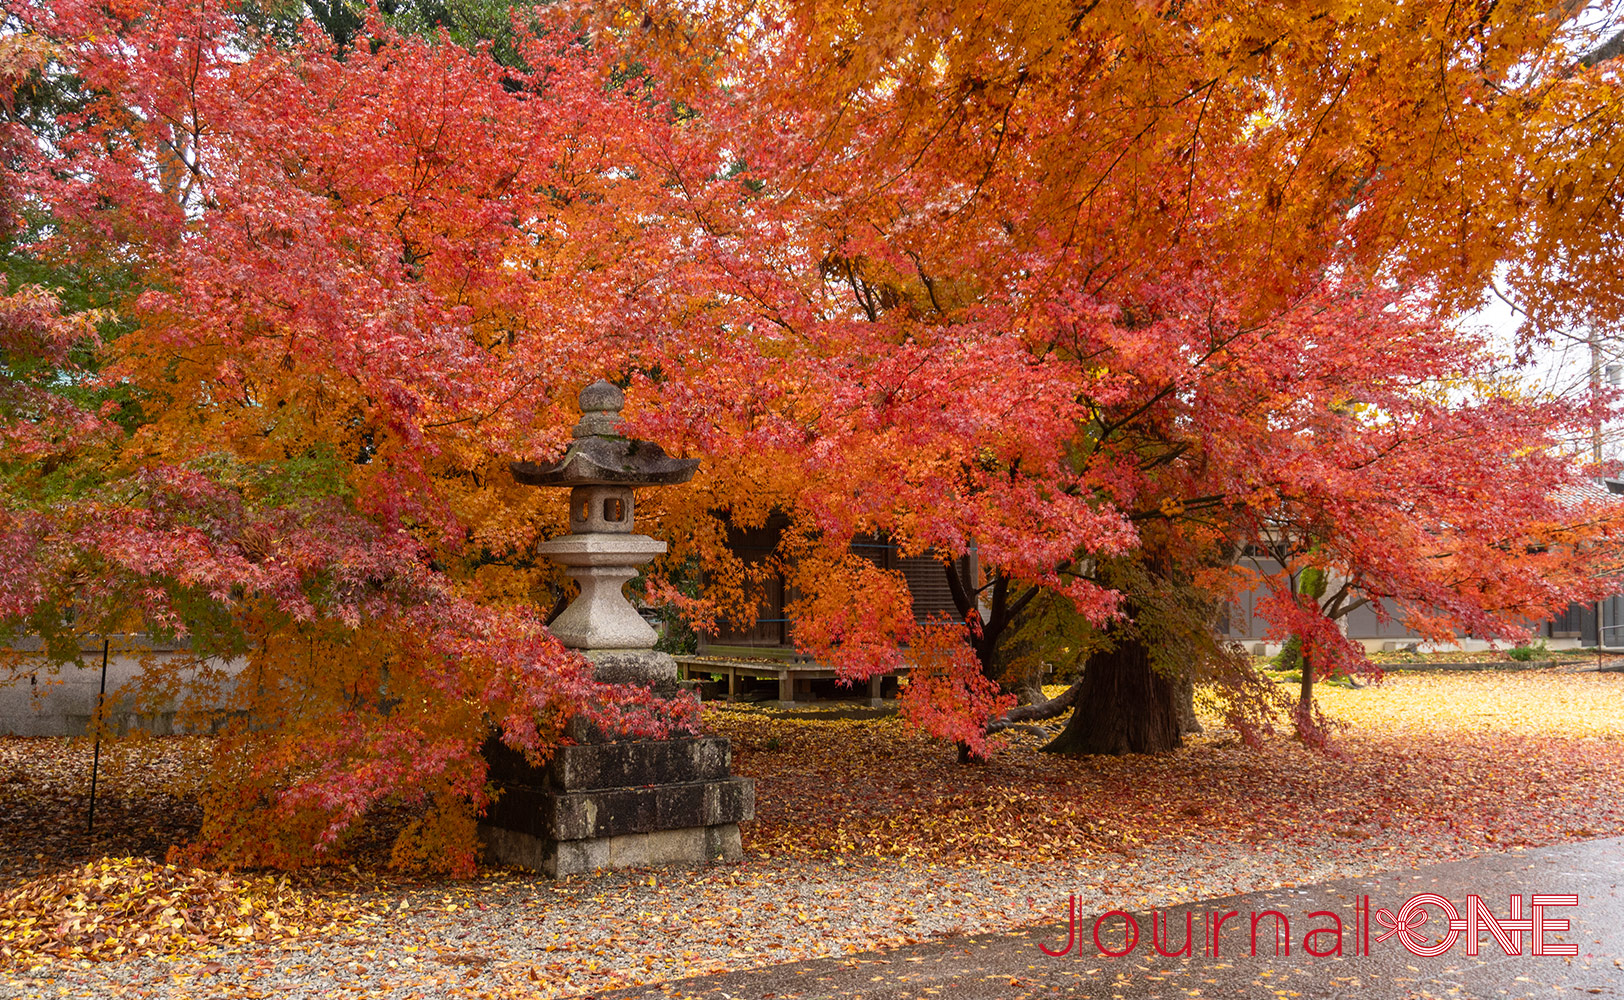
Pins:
x: 1116, y: 287
x: 324, y: 378
x: 1240, y: 241
x: 1561, y: 276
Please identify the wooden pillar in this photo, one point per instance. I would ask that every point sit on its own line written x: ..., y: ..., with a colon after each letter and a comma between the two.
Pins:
x: 786, y: 688
x: 732, y: 684
x: 875, y: 695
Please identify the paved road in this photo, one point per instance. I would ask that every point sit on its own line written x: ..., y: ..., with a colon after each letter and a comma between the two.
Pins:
x: 1012, y: 966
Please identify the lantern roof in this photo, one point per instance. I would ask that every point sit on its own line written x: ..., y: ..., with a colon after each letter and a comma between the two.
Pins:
x: 601, y: 456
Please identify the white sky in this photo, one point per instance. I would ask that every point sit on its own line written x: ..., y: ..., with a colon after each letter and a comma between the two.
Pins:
x: 1561, y: 369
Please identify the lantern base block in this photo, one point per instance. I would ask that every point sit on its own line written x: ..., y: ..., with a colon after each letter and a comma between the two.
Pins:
x: 629, y: 804
x: 634, y: 666
x: 694, y: 845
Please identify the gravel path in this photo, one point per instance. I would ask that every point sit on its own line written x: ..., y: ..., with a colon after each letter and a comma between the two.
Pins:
x: 514, y: 936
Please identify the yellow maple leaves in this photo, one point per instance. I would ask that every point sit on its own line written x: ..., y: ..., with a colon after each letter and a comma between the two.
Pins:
x: 118, y: 907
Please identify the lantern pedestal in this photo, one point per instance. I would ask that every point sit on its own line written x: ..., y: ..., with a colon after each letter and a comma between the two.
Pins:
x: 601, y: 618
x: 607, y: 802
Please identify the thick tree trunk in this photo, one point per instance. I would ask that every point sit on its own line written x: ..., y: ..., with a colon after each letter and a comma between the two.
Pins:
x: 1124, y: 706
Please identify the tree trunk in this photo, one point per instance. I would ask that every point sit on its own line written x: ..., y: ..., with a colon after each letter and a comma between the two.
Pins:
x: 1124, y: 706
x: 1185, y: 690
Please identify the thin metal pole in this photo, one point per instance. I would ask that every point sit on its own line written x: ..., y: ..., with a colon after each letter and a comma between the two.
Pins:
x: 95, y: 760
x: 1595, y: 387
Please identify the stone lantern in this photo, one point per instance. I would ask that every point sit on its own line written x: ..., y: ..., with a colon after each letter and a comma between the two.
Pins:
x: 608, y: 802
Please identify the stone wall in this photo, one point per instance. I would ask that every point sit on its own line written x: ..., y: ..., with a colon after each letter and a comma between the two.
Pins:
x: 41, y: 699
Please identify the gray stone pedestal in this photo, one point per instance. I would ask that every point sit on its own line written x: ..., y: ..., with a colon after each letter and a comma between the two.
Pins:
x: 616, y: 805
x: 608, y: 803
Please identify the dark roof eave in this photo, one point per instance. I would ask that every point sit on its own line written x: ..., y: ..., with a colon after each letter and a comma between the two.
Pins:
x: 608, y: 461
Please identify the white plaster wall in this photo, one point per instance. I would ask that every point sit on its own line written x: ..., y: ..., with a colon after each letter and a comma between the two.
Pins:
x: 39, y: 699
x: 1389, y: 645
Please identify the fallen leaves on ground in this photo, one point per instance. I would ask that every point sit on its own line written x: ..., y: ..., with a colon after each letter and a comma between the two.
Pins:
x: 1429, y: 764
x: 871, y: 836
x: 132, y: 906
x: 144, y: 800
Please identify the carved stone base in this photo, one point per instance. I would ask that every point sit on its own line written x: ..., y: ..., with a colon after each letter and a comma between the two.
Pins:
x: 633, y: 666
x: 644, y: 667
x: 616, y: 805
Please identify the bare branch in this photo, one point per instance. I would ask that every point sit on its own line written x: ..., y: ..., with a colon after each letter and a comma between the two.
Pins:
x: 1022, y: 714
